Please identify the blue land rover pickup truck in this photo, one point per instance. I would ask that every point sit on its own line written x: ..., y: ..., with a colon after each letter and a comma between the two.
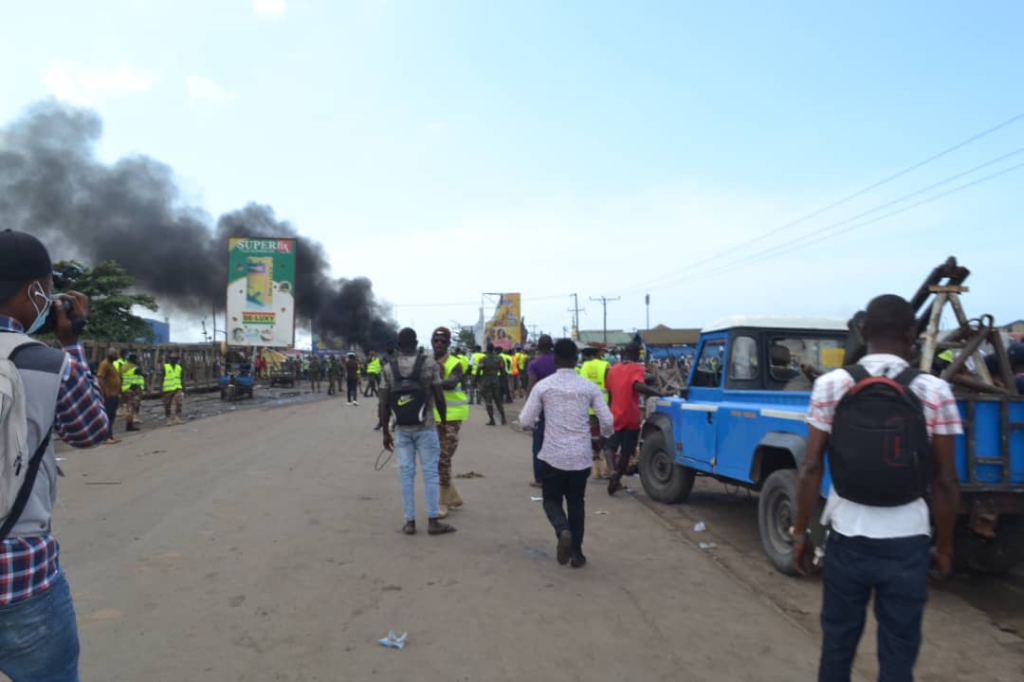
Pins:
x: 741, y: 420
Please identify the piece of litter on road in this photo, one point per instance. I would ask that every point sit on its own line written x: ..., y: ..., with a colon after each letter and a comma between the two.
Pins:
x: 601, y: 513
x: 393, y: 641
x: 700, y: 527
x: 536, y: 499
x: 707, y: 545
x: 62, y: 459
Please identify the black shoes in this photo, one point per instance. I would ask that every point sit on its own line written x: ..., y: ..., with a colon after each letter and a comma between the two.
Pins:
x: 614, y: 485
x: 564, y: 547
x: 491, y: 423
x: 132, y: 427
x: 378, y: 427
x: 577, y: 560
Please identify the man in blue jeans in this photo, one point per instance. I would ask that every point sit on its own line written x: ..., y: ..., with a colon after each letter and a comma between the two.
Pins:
x: 417, y: 439
x: 38, y: 634
x: 878, y: 549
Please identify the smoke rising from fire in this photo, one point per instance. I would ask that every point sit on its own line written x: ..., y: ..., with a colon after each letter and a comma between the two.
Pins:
x: 131, y: 211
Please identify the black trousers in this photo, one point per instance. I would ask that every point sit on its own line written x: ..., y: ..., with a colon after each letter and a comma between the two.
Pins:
x: 111, y: 404
x: 353, y: 390
x: 572, y: 487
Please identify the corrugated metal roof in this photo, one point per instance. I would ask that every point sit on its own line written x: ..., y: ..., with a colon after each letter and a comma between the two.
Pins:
x: 664, y: 336
x: 777, y: 322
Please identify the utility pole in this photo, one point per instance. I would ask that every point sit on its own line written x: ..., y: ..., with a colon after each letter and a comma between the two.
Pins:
x: 575, y: 310
x: 604, y: 305
x: 647, y: 301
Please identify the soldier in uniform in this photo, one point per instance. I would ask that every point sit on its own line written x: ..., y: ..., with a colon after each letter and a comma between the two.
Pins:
x: 334, y: 376
x: 133, y: 385
x: 491, y: 374
x: 314, y: 373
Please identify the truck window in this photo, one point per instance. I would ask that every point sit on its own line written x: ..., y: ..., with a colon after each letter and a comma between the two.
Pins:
x: 797, y: 360
x: 708, y: 372
x: 743, y: 363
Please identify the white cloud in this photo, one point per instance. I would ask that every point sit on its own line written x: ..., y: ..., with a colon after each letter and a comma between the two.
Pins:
x: 270, y: 9
x: 83, y: 84
x: 204, y: 90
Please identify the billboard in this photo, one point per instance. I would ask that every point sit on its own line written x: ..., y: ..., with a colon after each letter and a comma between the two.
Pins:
x: 261, y: 292
x: 505, y: 329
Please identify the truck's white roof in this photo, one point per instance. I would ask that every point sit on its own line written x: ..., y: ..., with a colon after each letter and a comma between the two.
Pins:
x: 776, y: 322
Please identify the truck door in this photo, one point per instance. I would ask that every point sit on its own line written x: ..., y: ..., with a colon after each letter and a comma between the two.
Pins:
x: 698, y: 413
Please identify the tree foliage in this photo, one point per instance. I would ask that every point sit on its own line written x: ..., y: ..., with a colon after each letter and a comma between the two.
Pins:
x: 465, y: 339
x: 110, y: 304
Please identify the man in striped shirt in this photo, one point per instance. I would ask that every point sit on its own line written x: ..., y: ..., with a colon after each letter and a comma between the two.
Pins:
x: 875, y: 549
x: 38, y: 634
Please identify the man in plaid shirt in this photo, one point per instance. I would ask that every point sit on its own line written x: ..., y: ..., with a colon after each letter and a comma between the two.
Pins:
x: 38, y: 634
x: 873, y: 549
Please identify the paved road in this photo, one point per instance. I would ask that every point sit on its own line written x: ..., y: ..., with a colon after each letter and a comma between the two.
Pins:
x: 262, y: 545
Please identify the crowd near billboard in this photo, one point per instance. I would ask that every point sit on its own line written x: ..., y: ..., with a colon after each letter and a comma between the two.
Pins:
x: 505, y: 329
x: 261, y: 292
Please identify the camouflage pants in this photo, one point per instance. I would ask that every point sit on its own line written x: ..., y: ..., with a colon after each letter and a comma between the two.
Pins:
x: 175, y: 398
x: 491, y: 394
x: 448, y: 434
x: 132, y: 404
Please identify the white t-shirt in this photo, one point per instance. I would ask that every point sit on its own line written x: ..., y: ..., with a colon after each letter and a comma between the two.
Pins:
x: 943, y: 419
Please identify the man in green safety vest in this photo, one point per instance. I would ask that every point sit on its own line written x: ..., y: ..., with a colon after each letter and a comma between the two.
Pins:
x: 506, y: 387
x: 373, y: 368
x: 595, y: 369
x: 173, y: 389
x: 452, y: 374
x: 133, y: 385
x: 474, y: 380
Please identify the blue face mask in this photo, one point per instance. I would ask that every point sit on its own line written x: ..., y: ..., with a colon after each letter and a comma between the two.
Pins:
x: 41, y: 315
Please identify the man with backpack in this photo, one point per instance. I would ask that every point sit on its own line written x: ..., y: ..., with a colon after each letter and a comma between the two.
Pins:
x: 888, y: 431
x: 41, y: 388
x: 411, y: 389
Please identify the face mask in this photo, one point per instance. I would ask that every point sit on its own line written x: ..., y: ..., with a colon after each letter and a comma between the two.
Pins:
x: 41, y: 315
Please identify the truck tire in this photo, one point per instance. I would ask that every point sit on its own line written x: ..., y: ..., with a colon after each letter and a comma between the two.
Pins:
x: 663, y: 479
x: 776, y: 512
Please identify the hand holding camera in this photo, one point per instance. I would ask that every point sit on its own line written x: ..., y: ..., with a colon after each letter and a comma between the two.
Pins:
x: 68, y: 316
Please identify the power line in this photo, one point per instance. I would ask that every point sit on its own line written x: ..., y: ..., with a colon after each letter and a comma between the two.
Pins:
x: 815, y: 213
x: 604, y: 304
x: 795, y: 245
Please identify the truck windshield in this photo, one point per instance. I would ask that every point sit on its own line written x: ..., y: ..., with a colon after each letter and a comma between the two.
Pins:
x: 798, y: 360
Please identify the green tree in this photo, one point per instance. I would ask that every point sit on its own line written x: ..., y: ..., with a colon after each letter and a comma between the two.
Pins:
x: 110, y: 306
x: 465, y: 339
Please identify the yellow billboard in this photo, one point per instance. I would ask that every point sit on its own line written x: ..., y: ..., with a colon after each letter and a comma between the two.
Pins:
x: 505, y: 329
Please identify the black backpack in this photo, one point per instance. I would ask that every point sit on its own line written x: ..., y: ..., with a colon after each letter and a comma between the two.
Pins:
x: 879, y: 453
x: 408, y: 395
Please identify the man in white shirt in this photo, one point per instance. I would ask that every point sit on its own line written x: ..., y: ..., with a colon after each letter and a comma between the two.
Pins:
x: 565, y: 458
x: 878, y: 549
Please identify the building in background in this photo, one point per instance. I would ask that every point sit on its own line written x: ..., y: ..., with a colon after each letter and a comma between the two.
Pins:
x: 161, y: 331
x: 664, y: 342
x: 617, y: 338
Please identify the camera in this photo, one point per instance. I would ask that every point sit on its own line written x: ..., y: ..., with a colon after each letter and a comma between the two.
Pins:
x: 60, y: 281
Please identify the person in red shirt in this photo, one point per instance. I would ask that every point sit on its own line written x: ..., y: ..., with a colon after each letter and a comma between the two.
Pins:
x: 625, y: 384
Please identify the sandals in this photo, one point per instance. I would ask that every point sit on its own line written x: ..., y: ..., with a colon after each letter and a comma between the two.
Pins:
x: 438, y: 528
x: 409, y: 528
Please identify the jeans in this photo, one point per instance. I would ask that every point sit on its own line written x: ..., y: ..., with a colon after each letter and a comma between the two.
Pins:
x: 572, y: 486
x: 624, y: 441
x: 353, y: 390
x: 111, y: 404
x: 538, y: 443
x: 896, y: 570
x: 427, y: 445
x: 39, y: 637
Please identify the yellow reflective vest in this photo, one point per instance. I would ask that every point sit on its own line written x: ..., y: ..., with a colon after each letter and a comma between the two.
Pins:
x: 131, y: 378
x: 595, y: 371
x: 172, y: 378
x: 456, y: 401
x: 477, y: 357
x: 373, y: 367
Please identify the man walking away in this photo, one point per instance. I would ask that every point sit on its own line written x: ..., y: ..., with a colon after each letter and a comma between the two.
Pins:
x: 490, y: 373
x: 875, y: 420
x: 458, y: 411
x: 314, y: 374
x: 540, y: 368
x: 43, y: 389
x: 565, y: 400
x: 133, y: 385
x: 110, y: 386
x: 333, y: 376
x: 173, y: 388
x: 411, y: 390
x: 626, y: 383
x: 352, y: 379
x: 506, y: 381
x: 595, y: 369
x: 373, y: 370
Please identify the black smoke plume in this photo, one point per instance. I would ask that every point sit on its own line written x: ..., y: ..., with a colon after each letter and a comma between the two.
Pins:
x: 52, y: 185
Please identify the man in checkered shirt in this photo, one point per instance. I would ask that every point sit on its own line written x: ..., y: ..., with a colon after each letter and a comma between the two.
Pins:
x: 38, y: 634
x: 880, y: 550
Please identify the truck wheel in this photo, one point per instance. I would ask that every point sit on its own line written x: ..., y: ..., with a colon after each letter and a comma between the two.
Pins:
x: 776, y: 512
x: 663, y: 479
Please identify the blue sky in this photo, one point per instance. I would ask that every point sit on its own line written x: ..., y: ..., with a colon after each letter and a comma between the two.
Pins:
x: 445, y: 149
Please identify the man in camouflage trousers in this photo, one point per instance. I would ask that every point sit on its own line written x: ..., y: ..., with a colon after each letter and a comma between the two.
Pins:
x: 334, y: 373
x: 491, y: 375
x: 314, y: 374
x: 133, y: 385
x: 452, y: 374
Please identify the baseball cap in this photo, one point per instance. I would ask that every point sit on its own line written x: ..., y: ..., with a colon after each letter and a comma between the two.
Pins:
x: 23, y: 258
x: 443, y: 333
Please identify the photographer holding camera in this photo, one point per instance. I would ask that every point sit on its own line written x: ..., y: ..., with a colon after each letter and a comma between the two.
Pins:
x: 41, y: 388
